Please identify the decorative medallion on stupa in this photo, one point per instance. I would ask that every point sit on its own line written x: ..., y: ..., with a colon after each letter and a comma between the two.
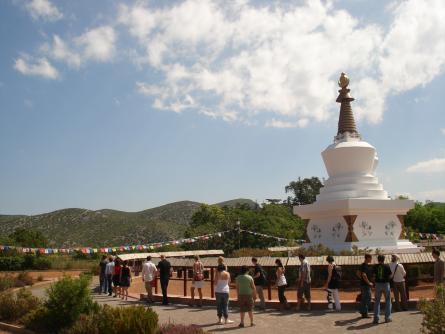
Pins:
x: 352, y: 208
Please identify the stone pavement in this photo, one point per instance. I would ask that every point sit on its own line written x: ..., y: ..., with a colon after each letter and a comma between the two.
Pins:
x: 273, y: 321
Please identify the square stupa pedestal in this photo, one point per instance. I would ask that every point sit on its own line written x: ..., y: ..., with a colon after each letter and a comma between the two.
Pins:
x: 365, y: 223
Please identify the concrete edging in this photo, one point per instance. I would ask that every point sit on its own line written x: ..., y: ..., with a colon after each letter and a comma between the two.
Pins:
x: 14, y: 328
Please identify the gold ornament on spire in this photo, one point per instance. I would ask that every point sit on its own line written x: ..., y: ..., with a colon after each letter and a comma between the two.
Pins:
x: 346, y: 122
x: 343, y: 82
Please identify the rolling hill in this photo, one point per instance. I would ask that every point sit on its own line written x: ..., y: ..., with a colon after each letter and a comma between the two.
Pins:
x: 80, y: 227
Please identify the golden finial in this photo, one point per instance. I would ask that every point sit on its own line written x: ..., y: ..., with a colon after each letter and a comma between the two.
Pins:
x: 343, y: 82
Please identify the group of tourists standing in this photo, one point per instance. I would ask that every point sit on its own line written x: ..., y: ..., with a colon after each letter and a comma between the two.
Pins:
x: 383, y: 277
x: 114, y: 277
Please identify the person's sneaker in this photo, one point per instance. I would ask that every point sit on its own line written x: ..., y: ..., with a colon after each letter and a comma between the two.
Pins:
x: 365, y: 316
x: 241, y: 325
x: 228, y: 321
x: 388, y: 320
x: 375, y: 322
x: 220, y: 322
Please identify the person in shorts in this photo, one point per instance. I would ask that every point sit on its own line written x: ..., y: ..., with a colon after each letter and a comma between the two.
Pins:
x: 246, y: 291
x: 149, y: 278
x: 198, y: 280
x: 332, y: 285
x: 260, y: 280
x: 304, y: 283
x: 125, y: 280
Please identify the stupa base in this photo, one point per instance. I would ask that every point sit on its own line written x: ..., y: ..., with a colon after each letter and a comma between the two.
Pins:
x: 401, y: 246
x: 357, y: 222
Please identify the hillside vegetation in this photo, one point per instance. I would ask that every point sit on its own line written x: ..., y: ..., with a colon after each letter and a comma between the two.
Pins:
x: 100, y: 228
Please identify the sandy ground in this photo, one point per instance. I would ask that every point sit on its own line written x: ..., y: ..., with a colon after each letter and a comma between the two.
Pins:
x: 176, y: 287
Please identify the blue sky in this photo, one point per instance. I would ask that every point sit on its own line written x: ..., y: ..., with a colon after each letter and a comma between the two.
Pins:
x: 131, y: 105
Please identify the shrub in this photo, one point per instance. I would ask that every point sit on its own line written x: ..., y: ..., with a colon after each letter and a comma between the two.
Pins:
x: 38, y: 320
x: 181, y: 329
x: 66, y: 300
x: 86, y: 324
x: 434, y: 313
x: 28, y: 261
x: 6, y: 282
x: 15, y: 306
x: 42, y: 263
x: 10, y: 263
x: 24, y: 278
x: 116, y: 320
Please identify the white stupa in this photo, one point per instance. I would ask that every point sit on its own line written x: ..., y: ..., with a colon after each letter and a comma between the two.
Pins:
x: 352, y: 207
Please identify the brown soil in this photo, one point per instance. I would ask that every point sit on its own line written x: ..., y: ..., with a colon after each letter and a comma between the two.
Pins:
x: 45, y: 274
x: 176, y: 287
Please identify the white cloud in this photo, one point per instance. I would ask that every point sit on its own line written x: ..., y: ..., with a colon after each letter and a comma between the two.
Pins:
x: 274, y: 123
x: 437, y: 195
x: 98, y: 44
x: 60, y: 51
x: 429, y: 166
x: 248, y: 62
x: 413, y: 52
x: 38, y: 67
x: 284, y: 59
x: 443, y: 131
x: 43, y: 9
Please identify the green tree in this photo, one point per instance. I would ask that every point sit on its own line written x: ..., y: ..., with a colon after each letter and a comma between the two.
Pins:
x: 304, y: 191
x: 271, y: 219
x: 28, y: 238
x: 427, y: 218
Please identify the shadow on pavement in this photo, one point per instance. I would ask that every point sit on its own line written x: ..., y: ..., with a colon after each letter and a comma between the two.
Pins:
x: 347, y: 322
x: 361, y: 327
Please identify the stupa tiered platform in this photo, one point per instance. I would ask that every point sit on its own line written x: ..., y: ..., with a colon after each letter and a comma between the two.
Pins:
x: 352, y: 208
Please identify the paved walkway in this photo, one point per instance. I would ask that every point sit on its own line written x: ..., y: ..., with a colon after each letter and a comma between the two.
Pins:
x: 273, y: 321
x: 279, y: 322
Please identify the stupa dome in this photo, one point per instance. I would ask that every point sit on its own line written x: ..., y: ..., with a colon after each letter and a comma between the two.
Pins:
x: 350, y: 162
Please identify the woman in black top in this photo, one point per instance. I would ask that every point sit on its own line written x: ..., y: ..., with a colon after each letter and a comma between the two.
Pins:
x: 332, y: 285
x: 125, y: 280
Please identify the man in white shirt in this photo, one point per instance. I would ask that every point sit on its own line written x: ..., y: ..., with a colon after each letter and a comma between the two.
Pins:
x: 148, y: 277
x: 398, y: 278
x: 109, y: 271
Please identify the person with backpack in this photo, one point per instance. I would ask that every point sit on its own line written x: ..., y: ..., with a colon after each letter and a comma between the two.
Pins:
x: 260, y: 280
x: 382, y: 274
x: 333, y: 284
x: 398, y: 283
x: 198, y: 280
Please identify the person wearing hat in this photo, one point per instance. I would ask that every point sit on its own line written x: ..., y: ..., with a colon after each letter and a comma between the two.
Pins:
x: 398, y: 275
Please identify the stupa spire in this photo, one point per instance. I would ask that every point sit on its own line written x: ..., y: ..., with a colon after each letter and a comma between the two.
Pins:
x: 346, y: 122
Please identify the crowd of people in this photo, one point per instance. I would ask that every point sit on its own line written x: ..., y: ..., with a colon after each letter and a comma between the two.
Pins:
x: 115, y: 276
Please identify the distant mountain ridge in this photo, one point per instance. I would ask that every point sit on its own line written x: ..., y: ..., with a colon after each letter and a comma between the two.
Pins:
x: 106, y: 227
